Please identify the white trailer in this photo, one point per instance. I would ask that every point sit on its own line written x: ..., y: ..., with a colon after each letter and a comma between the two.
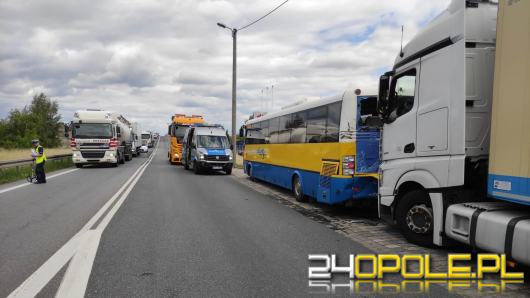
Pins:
x: 136, y: 133
x: 100, y: 137
x: 436, y: 106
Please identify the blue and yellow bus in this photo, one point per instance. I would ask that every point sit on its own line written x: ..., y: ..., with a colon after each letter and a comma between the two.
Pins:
x: 327, y: 149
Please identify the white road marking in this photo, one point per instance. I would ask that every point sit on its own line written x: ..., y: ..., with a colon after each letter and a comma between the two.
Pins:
x: 42, y: 276
x: 27, y: 183
x: 76, y: 278
x: 74, y: 281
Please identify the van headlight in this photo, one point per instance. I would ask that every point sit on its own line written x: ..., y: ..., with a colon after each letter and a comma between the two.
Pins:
x: 201, y: 157
x: 230, y: 157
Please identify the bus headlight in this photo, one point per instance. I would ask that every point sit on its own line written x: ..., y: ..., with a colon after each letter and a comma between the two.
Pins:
x: 348, y: 165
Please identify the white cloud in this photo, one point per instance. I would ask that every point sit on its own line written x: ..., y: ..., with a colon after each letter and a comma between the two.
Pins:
x: 149, y: 59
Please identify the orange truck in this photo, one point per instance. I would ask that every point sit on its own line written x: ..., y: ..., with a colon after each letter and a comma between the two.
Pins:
x: 176, y: 130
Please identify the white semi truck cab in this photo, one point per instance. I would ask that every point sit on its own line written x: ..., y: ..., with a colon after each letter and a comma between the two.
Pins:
x: 100, y: 137
x: 437, y: 105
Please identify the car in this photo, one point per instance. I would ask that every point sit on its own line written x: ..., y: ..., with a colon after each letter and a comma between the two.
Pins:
x: 144, y: 149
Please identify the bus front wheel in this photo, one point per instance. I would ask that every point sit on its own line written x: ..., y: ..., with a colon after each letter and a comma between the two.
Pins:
x: 297, y: 189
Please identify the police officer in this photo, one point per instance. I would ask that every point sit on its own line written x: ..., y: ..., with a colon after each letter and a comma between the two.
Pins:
x: 40, y: 158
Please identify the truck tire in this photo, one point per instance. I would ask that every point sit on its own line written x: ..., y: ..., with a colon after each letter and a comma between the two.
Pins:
x: 297, y: 189
x: 121, y: 158
x: 415, y: 218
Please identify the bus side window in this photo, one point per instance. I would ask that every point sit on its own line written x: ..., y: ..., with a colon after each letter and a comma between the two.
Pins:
x: 274, y: 126
x: 316, y: 124
x: 284, y: 133
x: 298, y: 132
x: 265, y: 131
x: 332, y: 127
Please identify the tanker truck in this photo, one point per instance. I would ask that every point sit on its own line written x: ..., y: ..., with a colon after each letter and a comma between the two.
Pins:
x: 100, y: 137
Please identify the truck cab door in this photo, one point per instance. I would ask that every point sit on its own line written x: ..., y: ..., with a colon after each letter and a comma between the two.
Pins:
x: 399, y: 132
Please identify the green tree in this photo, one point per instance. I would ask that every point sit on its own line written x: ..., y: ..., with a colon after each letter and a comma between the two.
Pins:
x: 38, y: 120
x: 45, y: 115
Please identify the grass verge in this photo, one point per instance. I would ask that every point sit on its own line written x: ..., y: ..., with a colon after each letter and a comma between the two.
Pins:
x: 21, y: 172
x: 14, y: 154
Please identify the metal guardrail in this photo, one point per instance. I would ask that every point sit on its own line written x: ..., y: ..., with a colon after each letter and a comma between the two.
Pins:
x: 20, y: 162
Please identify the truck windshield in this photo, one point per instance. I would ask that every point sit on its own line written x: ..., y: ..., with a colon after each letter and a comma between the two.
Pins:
x: 179, y: 131
x: 213, y: 142
x: 92, y: 130
x: 146, y: 136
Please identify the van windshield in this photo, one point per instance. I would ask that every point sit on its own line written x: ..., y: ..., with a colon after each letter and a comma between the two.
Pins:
x: 212, y: 142
x: 92, y: 130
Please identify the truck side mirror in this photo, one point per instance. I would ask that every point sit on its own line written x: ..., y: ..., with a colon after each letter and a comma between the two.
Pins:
x: 241, y: 132
x: 384, y: 86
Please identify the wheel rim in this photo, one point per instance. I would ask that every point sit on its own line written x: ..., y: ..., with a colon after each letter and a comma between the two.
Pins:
x: 297, y: 187
x: 419, y: 219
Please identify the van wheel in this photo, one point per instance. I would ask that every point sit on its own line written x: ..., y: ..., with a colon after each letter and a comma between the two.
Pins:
x: 196, y: 169
x: 228, y: 170
x: 415, y: 218
x: 297, y: 189
x: 78, y: 165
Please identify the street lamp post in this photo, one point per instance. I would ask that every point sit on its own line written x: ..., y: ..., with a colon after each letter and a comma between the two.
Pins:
x: 234, y: 76
x: 234, y: 63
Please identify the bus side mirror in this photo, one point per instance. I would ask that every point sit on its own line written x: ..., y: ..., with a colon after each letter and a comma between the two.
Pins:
x: 118, y: 131
x: 241, y: 132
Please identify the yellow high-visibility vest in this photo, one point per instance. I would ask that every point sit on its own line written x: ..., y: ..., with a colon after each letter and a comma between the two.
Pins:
x: 42, y: 158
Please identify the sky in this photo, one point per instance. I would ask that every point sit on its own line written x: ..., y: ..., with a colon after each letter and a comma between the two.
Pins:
x: 149, y: 60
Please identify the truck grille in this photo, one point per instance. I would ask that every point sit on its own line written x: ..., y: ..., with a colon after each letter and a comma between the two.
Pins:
x: 92, y: 154
x: 216, y: 157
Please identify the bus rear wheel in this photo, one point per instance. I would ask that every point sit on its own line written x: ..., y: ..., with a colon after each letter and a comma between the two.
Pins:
x: 297, y: 189
x: 415, y: 218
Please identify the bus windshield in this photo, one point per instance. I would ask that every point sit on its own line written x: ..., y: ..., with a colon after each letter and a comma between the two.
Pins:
x: 92, y: 130
x: 212, y: 142
x: 146, y: 136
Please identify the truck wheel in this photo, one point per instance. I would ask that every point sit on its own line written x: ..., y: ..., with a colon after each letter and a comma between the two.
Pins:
x: 297, y: 189
x: 121, y: 158
x: 415, y: 218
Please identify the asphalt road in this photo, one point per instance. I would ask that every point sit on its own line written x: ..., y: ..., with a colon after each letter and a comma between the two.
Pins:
x: 36, y: 220
x: 176, y: 234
